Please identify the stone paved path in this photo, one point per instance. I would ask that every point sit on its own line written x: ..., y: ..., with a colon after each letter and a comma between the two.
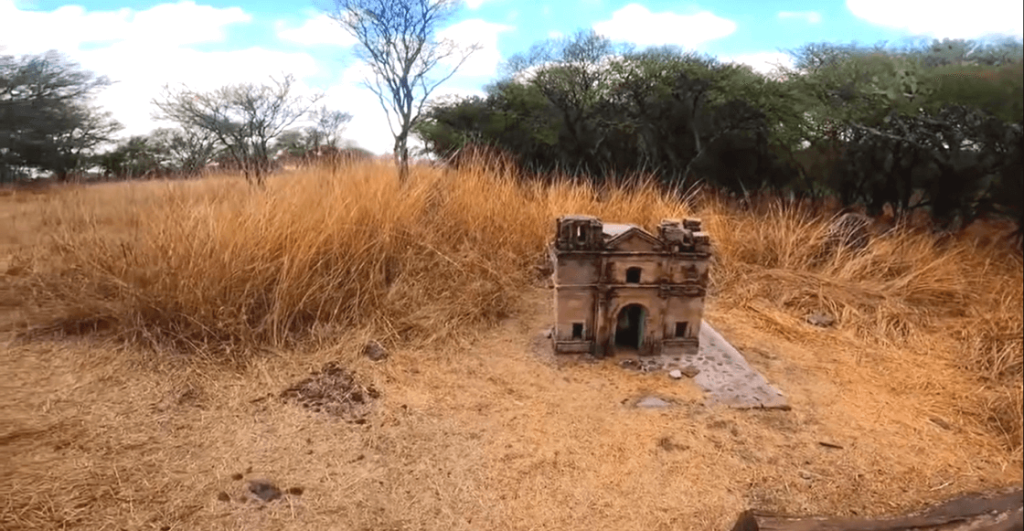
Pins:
x: 725, y: 375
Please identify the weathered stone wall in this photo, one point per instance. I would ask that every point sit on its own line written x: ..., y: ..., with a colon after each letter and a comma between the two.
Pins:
x: 574, y: 305
x: 650, y: 267
x: 575, y: 269
x: 683, y: 309
x: 679, y: 270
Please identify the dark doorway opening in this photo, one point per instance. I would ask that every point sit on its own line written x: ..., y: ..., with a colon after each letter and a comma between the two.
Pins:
x: 629, y: 333
x: 577, y: 330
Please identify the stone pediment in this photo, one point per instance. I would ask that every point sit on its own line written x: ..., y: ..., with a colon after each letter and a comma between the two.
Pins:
x: 634, y: 239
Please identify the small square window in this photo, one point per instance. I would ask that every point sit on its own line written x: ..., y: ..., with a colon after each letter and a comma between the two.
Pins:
x: 682, y: 328
x: 577, y: 330
x: 633, y: 275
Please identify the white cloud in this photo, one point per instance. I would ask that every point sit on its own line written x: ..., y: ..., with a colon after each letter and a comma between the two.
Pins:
x: 69, y: 27
x: 319, y: 29
x: 555, y: 34
x: 977, y: 19
x: 811, y: 17
x: 141, y: 74
x: 484, y: 61
x: 762, y: 62
x: 636, y: 24
x: 143, y: 50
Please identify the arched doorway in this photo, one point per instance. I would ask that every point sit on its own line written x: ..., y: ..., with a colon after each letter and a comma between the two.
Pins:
x: 629, y: 328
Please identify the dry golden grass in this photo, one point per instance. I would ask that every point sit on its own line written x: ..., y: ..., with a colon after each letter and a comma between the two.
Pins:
x: 474, y: 429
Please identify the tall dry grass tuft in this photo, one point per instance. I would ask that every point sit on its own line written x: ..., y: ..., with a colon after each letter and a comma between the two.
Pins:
x: 212, y: 266
x: 211, y: 263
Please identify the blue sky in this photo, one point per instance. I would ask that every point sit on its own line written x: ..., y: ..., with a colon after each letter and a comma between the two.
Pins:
x: 207, y: 43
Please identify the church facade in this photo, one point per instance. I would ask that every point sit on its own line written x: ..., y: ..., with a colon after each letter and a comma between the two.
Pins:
x: 621, y: 290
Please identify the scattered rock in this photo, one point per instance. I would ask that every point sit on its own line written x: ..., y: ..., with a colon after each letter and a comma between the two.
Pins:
x: 375, y: 351
x: 827, y: 444
x: 548, y: 333
x: 295, y: 491
x: 652, y: 401
x: 821, y: 319
x: 676, y: 374
x: 806, y: 475
x: 264, y: 490
x: 940, y: 423
x: 690, y: 371
x: 667, y: 444
x: 650, y: 365
x: 629, y: 364
x: 334, y: 391
x: 236, y: 476
x: 223, y: 496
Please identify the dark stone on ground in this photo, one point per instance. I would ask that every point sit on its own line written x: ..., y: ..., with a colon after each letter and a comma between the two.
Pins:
x: 375, y: 351
x: 264, y: 490
x: 821, y: 319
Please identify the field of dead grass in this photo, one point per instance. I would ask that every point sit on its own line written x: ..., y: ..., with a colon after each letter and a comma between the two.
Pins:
x: 919, y: 381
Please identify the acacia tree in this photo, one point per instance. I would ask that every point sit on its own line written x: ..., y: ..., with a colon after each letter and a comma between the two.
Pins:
x: 47, y: 118
x: 188, y: 150
x: 397, y: 40
x: 244, y: 118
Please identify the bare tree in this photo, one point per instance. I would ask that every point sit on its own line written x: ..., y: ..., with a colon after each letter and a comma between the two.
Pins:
x: 397, y: 40
x: 245, y: 119
x: 327, y: 127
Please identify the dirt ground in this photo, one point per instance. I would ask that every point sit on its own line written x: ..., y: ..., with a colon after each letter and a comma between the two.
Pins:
x: 485, y: 435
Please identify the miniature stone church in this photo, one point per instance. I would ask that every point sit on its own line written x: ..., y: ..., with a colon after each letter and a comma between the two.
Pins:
x: 622, y: 290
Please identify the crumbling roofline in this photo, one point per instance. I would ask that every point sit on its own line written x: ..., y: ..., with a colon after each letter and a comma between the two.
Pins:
x: 643, y: 234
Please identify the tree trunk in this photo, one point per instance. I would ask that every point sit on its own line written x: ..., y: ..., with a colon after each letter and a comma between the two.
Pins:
x: 994, y: 512
x: 402, y: 158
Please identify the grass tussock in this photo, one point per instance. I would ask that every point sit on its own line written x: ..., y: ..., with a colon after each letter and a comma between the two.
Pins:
x: 212, y: 266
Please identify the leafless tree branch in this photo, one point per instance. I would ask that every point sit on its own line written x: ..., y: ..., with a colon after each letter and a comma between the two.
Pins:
x: 397, y: 40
